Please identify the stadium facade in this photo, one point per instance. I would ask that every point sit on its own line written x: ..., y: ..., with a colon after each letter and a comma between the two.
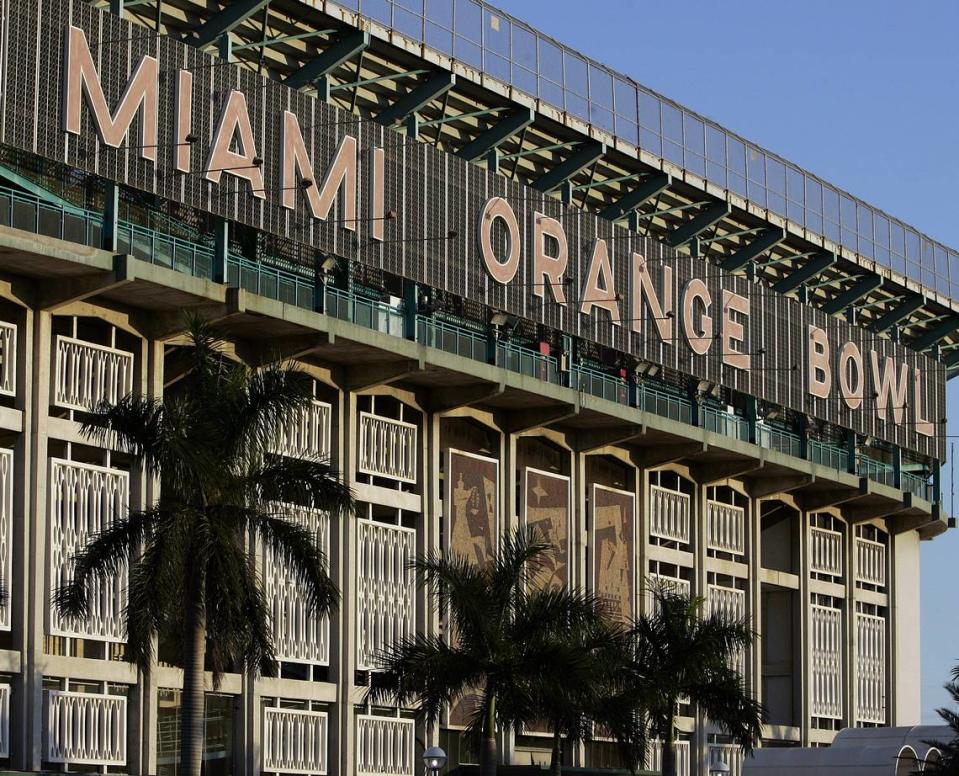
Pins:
x: 530, y: 292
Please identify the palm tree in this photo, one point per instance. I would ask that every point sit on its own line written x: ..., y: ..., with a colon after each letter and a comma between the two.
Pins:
x: 502, y: 647
x: 676, y: 652
x: 192, y: 578
x: 948, y: 764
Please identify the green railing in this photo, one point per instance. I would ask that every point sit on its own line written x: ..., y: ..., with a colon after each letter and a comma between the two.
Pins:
x: 261, y: 278
x: 30, y: 213
x: 437, y: 333
x: 528, y: 362
x: 725, y: 423
x: 652, y: 398
x: 779, y: 439
x: 919, y: 486
x: 828, y: 455
x: 877, y: 471
x: 165, y: 251
x: 599, y: 384
x: 363, y: 311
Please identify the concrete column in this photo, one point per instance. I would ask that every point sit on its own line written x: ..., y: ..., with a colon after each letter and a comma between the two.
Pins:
x: 905, y: 704
x: 804, y: 629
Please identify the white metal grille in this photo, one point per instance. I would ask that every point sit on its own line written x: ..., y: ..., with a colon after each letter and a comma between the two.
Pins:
x: 387, y: 448
x: 654, y: 757
x: 870, y: 668
x: 6, y: 533
x: 825, y: 551
x: 8, y: 359
x: 384, y: 746
x: 295, y: 741
x: 725, y: 527
x: 84, y: 500
x: 298, y: 634
x: 4, y: 720
x: 669, y: 514
x: 307, y: 434
x: 731, y: 604
x: 670, y: 584
x: 826, y: 660
x: 386, y: 589
x: 870, y: 562
x: 86, y: 729
x: 88, y: 374
x: 730, y: 754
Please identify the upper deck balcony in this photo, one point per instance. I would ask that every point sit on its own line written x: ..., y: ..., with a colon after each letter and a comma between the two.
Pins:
x: 486, y: 86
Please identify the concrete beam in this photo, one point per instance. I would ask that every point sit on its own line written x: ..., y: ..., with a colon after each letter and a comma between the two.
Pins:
x: 899, y: 313
x: 853, y: 294
x: 807, y: 271
x: 660, y: 455
x: 857, y: 513
x: 518, y: 421
x: 449, y: 399
x: 168, y: 325
x: 763, y: 486
x: 53, y: 294
x: 362, y: 378
x: 768, y: 238
x: 340, y: 51
x: 233, y: 15
x: 502, y: 130
x: 707, y: 472
x: 698, y: 224
x: 833, y: 497
x: 594, y: 439
x: 417, y: 98
x: 645, y: 191
x: 936, y: 333
x: 284, y: 349
x: 585, y: 154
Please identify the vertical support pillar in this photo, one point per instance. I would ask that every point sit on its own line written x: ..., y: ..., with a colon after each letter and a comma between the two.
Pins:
x: 413, y: 126
x: 492, y: 160
x: 319, y: 285
x: 323, y: 88
x: 695, y: 418
x: 897, y: 467
x: 116, y: 7
x: 751, y: 418
x: 566, y: 192
x: 851, y: 439
x: 221, y: 249
x: 224, y: 47
x: 937, y: 482
x: 803, y: 430
x: 491, y: 338
x: 111, y: 216
x: 411, y: 301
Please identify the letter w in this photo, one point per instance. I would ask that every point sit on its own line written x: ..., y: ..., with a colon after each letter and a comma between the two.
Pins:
x: 141, y: 95
x: 890, y: 387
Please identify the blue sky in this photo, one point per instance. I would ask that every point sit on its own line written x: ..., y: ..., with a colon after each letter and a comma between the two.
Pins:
x: 860, y: 92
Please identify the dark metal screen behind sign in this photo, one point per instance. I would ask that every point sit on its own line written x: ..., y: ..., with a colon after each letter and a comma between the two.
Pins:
x: 239, y: 145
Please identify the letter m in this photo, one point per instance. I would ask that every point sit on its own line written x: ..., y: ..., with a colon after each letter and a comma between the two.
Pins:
x: 82, y: 84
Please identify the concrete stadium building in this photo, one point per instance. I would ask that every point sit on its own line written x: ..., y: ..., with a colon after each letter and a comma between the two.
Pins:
x: 530, y: 291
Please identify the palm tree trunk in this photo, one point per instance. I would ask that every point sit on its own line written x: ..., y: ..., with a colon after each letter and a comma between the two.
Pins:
x: 192, y: 711
x: 669, y: 750
x: 488, y: 753
x: 556, y: 758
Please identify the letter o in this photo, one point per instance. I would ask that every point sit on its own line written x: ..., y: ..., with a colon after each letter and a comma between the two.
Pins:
x: 502, y: 272
x: 851, y: 387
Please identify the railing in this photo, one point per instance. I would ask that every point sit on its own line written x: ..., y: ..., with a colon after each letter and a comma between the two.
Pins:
x: 651, y: 398
x: 165, y: 250
x: 669, y: 514
x: 654, y: 757
x: 870, y: 562
x: 825, y: 687
x: 870, y: 668
x: 666, y: 584
x: 369, y: 313
x: 527, y: 362
x: 87, y: 374
x: 386, y: 589
x: 384, y: 746
x: 875, y: 470
x: 30, y: 213
x: 730, y: 754
x: 299, y: 635
x: 8, y: 359
x: 825, y: 551
x: 307, y: 433
x: 85, y: 500
x: 295, y: 741
x: 828, y: 455
x: 918, y: 486
x: 5, y: 720
x: 780, y: 440
x: 259, y: 277
x: 86, y: 729
x: 725, y: 527
x: 725, y: 423
x: 447, y: 336
x: 599, y: 384
x: 6, y: 534
x: 387, y: 448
